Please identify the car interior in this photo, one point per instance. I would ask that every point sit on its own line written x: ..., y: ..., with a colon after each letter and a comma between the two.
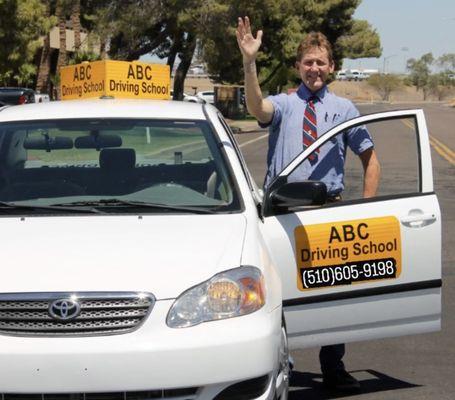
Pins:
x: 25, y: 175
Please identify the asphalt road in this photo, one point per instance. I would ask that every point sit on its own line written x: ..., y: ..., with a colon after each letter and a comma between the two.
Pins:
x: 412, y: 367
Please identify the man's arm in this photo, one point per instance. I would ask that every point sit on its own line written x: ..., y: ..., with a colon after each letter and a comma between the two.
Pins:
x: 261, y: 109
x: 371, y: 172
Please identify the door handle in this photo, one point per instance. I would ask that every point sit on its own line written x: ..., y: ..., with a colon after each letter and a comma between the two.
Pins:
x: 418, y: 220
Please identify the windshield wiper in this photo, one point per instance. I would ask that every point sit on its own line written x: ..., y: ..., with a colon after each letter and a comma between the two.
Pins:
x: 52, y: 207
x: 132, y: 203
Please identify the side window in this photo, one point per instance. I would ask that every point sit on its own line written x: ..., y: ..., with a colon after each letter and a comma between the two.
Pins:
x: 395, y: 144
x: 337, y: 163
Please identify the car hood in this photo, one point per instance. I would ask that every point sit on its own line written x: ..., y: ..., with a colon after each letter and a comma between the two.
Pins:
x: 161, y: 254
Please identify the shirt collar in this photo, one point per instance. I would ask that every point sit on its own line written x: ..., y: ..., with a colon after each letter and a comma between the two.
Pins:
x: 305, y: 94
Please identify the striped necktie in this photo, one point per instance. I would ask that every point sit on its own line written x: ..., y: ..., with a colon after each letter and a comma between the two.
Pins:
x: 310, y: 130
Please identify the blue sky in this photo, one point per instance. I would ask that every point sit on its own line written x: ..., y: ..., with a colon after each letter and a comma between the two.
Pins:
x: 421, y: 26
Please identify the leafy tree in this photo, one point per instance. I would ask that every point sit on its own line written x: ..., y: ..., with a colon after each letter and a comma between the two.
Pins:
x: 447, y: 61
x: 22, y: 23
x: 362, y: 41
x: 385, y: 84
x: 167, y: 28
x: 420, y: 72
x: 176, y: 28
x: 439, y: 85
x: 284, y: 24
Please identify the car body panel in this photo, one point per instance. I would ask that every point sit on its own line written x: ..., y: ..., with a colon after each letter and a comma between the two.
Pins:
x: 104, y: 108
x: 113, y: 253
x: 152, y: 357
x: 168, y: 253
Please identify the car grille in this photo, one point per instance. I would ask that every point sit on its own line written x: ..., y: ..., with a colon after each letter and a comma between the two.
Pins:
x: 100, y: 313
x: 174, y: 394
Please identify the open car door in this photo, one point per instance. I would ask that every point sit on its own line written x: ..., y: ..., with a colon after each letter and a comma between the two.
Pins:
x: 360, y: 269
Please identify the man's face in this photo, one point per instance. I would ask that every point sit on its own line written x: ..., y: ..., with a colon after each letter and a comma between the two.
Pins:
x: 314, y: 68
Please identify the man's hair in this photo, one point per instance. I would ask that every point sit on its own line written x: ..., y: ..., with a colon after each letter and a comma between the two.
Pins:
x: 312, y: 40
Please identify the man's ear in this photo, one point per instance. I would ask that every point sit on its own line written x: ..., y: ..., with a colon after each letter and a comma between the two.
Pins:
x: 332, y: 67
x: 297, y: 65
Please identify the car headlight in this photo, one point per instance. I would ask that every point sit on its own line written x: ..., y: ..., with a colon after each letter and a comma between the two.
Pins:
x: 228, y: 294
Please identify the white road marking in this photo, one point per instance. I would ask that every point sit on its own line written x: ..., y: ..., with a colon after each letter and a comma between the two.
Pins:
x: 254, y: 140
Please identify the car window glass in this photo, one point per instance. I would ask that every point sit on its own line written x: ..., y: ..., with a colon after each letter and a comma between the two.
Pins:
x: 167, y: 162
x: 395, y: 145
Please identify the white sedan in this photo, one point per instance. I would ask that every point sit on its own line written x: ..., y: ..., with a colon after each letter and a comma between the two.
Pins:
x: 207, y: 95
x: 141, y: 261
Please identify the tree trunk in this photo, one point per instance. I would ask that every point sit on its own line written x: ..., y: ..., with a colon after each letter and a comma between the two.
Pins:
x: 103, y: 47
x: 176, y: 46
x: 189, y: 45
x: 76, y: 22
x: 42, y: 82
x: 62, y: 59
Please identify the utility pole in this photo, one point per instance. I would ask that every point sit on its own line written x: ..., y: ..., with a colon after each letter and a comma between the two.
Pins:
x: 385, y: 60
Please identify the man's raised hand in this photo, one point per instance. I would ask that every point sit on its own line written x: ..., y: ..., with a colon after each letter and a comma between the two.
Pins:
x: 248, y: 45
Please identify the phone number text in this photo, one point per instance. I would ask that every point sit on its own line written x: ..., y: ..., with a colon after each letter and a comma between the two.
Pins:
x: 346, y: 274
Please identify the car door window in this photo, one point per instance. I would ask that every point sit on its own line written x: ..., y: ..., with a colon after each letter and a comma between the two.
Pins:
x: 395, y: 141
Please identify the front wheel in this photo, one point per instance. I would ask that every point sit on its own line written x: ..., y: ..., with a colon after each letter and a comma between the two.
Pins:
x: 284, y: 370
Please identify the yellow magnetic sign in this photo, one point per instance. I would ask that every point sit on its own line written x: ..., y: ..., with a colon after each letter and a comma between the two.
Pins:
x: 347, y: 252
x: 120, y: 79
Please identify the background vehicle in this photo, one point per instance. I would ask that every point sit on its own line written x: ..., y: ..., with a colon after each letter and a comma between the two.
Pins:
x: 341, y: 75
x: 208, y: 96
x: 41, y: 98
x: 191, y: 98
x: 356, y: 75
x: 13, y: 96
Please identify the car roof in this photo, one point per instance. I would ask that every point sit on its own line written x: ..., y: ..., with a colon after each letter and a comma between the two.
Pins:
x: 104, y: 108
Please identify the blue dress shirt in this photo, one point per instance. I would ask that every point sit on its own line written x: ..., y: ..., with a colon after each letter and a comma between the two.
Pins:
x: 285, y: 139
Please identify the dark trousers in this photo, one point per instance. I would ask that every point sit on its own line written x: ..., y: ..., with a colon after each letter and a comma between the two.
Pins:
x: 331, y: 356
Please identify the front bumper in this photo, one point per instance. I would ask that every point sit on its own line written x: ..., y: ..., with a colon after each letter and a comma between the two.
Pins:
x: 209, y: 356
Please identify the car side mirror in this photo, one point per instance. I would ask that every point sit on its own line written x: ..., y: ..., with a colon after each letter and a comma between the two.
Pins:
x: 291, y: 195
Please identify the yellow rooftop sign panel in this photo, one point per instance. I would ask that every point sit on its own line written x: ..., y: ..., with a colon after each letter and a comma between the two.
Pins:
x: 120, y: 79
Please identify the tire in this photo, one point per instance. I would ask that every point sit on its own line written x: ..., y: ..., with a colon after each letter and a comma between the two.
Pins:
x: 284, y: 370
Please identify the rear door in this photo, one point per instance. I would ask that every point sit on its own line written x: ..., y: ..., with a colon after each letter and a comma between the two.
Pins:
x: 359, y: 268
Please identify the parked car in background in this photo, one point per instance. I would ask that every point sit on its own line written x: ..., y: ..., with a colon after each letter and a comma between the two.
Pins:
x: 208, y: 96
x: 356, y: 75
x: 16, y: 95
x: 190, y: 98
x: 352, y: 75
x: 340, y: 76
x: 41, y: 97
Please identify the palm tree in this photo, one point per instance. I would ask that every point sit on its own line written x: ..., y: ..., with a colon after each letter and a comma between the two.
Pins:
x: 62, y: 58
x: 43, y: 81
x: 76, y: 22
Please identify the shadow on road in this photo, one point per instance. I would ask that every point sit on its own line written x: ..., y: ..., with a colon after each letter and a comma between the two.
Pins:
x: 308, y: 386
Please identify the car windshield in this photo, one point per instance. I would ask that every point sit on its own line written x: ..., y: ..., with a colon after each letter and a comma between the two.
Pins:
x: 115, y: 164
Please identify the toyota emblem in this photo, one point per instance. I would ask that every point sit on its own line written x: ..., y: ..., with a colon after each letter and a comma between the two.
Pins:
x: 64, y: 309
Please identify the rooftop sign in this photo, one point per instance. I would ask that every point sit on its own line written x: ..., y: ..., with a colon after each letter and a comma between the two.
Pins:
x: 120, y: 79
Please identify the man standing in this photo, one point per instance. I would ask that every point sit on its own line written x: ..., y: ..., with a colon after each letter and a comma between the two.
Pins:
x: 295, y: 121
